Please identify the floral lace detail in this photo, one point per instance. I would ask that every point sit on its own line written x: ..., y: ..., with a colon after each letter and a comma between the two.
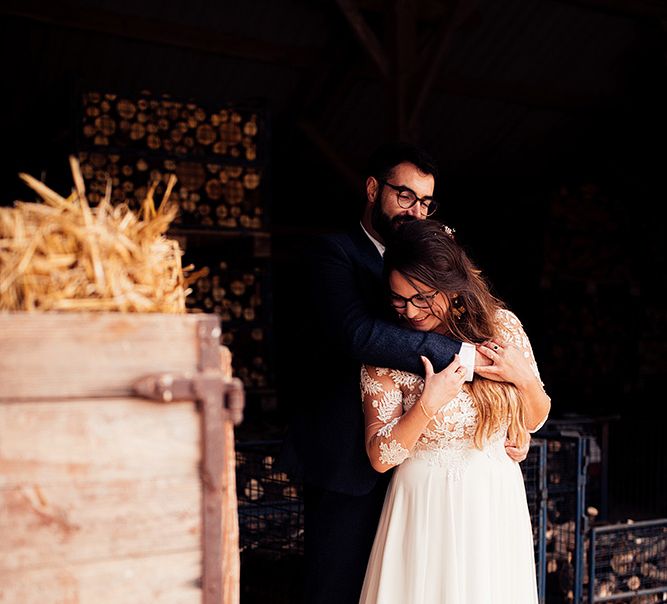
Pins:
x: 388, y: 404
x: 510, y: 330
x: 368, y: 384
x: 409, y: 400
x: 448, y: 438
x: 403, y: 378
x: 455, y: 420
x: 453, y: 456
x: 385, y: 431
x: 393, y: 453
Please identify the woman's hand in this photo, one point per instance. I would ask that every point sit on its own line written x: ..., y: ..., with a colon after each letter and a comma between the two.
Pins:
x: 512, y: 365
x: 509, y: 364
x: 442, y: 387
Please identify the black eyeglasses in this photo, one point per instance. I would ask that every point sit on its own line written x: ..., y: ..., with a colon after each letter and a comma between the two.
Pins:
x: 418, y: 300
x: 406, y: 198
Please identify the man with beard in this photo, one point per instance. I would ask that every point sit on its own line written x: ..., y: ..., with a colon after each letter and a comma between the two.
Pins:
x: 345, y: 320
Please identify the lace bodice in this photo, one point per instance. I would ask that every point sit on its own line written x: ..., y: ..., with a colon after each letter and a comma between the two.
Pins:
x: 389, y: 393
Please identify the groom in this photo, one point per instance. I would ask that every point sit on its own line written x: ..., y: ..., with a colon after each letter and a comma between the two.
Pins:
x: 345, y: 317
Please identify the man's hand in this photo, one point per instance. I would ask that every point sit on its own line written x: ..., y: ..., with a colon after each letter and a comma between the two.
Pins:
x: 517, y: 453
x: 481, y: 360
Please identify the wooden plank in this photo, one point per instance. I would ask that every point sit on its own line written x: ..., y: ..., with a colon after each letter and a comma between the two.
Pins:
x: 68, y: 355
x: 231, y: 560
x: 212, y: 476
x: 166, y: 579
x: 87, y: 441
x: 48, y: 525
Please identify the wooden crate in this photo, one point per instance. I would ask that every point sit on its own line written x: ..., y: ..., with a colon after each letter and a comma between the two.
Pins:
x: 105, y: 494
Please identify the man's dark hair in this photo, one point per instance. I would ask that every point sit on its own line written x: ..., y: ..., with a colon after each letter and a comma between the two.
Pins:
x: 389, y: 155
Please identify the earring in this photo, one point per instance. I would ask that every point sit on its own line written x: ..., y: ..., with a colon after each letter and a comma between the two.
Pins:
x: 458, y: 309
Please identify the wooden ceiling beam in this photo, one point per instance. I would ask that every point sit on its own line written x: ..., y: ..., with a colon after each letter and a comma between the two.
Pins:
x: 405, y: 60
x: 625, y: 8
x: 75, y: 16
x: 449, y: 24
x: 426, y: 10
x: 349, y: 175
x: 366, y: 36
x: 534, y: 95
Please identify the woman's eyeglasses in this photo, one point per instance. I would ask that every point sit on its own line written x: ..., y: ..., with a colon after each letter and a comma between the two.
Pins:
x: 418, y: 300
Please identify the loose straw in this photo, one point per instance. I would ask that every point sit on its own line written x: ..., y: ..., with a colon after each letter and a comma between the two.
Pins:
x: 63, y: 254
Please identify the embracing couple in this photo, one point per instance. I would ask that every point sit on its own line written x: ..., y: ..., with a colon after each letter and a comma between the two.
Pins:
x: 417, y: 393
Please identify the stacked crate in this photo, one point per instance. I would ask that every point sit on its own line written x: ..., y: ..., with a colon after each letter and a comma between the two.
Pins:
x: 587, y: 562
x: 219, y: 155
x: 627, y: 563
x: 534, y: 469
x: 567, y: 456
x: 575, y: 562
x: 270, y: 508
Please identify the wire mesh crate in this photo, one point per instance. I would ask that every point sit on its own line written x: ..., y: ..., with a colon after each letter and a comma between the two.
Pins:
x: 627, y: 563
x: 567, y: 456
x: 535, y: 480
x: 597, y: 476
x: 270, y: 511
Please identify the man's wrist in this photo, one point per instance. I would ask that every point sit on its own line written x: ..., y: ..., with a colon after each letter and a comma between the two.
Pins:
x: 467, y: 357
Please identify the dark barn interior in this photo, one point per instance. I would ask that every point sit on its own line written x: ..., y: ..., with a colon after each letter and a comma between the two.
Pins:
x: 547, y: 119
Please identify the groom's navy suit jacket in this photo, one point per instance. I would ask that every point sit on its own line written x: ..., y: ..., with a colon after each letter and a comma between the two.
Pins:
x: 345, y: 320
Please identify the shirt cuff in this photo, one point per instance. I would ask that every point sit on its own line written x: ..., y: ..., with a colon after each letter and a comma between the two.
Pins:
x: 467, y: 356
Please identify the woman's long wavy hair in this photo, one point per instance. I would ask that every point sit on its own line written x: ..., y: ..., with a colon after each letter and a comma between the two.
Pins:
x: 425, y: 251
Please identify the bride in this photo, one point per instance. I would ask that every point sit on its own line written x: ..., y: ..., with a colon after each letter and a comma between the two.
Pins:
x: 455, y: 526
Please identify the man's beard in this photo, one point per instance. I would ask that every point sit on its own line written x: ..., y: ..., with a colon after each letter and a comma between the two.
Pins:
x: 386, y: 226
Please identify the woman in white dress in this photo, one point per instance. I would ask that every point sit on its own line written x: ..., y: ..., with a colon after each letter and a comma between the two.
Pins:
x: 455, y: 527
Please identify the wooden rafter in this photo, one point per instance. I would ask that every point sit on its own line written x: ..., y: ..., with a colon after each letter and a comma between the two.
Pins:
x: 405, y: 58
x: 365, y: 35
x: 347, y: 173
x: 448, y: 26
x: 627, y: 8
x: 77, y: 16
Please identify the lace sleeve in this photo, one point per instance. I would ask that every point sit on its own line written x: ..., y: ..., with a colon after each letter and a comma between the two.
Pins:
x: 511, y: 330
x: 382, y: 392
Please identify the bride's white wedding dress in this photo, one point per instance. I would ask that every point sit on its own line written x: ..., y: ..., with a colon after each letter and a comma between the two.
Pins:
x: 455, y: 527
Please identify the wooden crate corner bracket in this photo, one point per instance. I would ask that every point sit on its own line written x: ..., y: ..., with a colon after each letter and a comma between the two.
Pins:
x: 221, y: 400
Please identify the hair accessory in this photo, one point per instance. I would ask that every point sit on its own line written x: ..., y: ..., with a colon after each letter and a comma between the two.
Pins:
x: 447, y: 230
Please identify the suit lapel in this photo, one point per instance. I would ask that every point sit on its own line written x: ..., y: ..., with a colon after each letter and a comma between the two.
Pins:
x: 368, y: 253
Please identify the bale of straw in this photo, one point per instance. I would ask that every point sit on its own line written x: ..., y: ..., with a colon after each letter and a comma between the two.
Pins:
x: 61, y: 254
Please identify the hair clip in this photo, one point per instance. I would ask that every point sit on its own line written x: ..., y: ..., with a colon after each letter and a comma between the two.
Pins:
x: 447, y: 230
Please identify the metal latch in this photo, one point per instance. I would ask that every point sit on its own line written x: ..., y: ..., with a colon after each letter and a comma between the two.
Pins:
x: 207, y: 386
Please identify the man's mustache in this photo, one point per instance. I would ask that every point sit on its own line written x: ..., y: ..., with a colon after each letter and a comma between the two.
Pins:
x: 396, y: 220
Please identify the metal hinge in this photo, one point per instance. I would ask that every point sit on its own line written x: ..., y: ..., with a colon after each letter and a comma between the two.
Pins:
x: 206, y: 386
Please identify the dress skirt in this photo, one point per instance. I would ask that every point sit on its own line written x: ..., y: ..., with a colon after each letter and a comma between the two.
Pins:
x: 455, y: 529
